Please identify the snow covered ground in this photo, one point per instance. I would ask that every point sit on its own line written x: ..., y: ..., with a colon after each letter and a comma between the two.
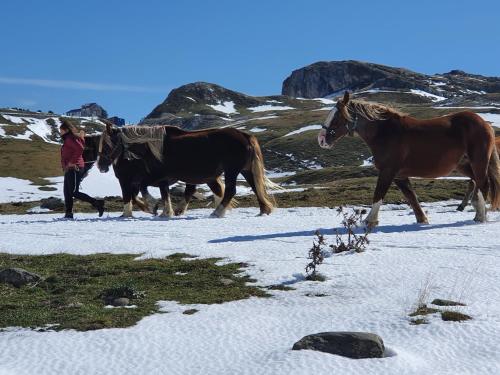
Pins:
x: 34, y: 125
x: 96, y: 184
x: 303, y: 129
x: 224, y: 107
x: 372, y: 291
x: 268, y: 107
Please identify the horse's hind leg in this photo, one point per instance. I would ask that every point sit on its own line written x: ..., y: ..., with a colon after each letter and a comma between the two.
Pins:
x: 142, y: 206
x: 251, y: 181
x: 229, y: 193
x: 165, y: 195
x: 149, y: 200
x: 479, y: 163
x: 467, y: 196
x: 405, y: 186
x: 465, y: 168
x: 188, y: 194
x: 217, y: 188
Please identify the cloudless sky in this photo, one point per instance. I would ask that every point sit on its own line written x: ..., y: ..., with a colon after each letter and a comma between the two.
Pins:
x: 127, y: 55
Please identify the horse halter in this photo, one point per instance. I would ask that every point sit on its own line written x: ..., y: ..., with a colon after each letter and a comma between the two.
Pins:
x: 115, y: 152
x: 351, y: 126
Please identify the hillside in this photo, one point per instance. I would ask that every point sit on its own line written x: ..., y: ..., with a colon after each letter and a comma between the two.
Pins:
x: 30, y: 142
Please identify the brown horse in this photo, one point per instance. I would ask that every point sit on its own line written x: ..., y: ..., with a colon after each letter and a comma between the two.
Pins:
x: 404, y: 147
x: 162, y: 154
x: 470, y: 187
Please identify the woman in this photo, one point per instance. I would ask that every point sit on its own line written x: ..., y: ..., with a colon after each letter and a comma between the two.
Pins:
x: 73, y: 167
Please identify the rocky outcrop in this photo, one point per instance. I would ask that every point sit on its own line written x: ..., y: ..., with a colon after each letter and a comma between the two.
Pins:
x: 328, y: 78
x: 197, y: 98
x: 18, y: 277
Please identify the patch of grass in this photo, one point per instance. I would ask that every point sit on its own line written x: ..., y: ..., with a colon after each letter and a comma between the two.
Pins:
x: 418, y: 321
x: 71, y: 296
x: 423, y: 310
x: 280, y: 287
x: 29, y: 160
x: 316, y: 295
x: 444, y: 302
x: 454, y: 316
x: 316, y: 277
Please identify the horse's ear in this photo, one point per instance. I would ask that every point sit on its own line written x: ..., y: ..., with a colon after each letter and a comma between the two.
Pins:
x: 346, y: 98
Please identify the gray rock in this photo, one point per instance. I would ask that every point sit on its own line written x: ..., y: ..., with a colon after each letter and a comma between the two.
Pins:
x: 121, y: 302
x: 446, y: 302
x: 226, y: 281
x: 347, y: 344
x: 18, y: 277
x: 52, y: 203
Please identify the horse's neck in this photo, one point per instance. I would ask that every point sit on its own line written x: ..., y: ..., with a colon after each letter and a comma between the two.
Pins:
x: 367, y: 130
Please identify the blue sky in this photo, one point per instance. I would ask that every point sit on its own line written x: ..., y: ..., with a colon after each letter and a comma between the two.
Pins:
x: 127, y: 55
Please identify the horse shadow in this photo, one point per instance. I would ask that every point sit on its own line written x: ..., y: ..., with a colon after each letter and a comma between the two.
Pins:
x: 341, y: 230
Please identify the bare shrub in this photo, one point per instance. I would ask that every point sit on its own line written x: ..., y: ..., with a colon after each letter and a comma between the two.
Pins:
x: 316, y: 255
x: 350, y: 241
x: 351, y: 220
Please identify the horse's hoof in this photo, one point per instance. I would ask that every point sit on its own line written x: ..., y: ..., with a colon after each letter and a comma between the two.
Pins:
x: 179, y: 212
x: 216, y: 215
x: 460, y: 207
x: 371, y: 224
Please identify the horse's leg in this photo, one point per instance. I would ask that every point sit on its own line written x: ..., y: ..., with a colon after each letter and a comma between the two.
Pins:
x: 465, y: 168
x: 229, y: 193
x: 218, y: 189
x: 127, y: 198
x: 188, y: 194
x: 479, y: 163
x: 384, y: 181
x: 405, y: 186
x: 251, y: 181
x: 149, y: 200
x: 467, y: 196
x: 165, y: 195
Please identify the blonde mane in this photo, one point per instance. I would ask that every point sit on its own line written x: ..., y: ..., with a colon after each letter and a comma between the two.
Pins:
x: 153, y: 136
x: 369, y: 110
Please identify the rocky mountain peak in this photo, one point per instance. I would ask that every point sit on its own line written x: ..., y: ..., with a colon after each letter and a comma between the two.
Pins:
x: 330, y: 77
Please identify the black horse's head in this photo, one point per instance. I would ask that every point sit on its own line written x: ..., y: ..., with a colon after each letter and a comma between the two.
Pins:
x: 337, y: 123
x: 91, y: 151
x: 110, y: 147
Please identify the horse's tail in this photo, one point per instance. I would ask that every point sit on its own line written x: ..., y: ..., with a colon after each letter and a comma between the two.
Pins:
x: 262, y: 183
x: 494, y: 179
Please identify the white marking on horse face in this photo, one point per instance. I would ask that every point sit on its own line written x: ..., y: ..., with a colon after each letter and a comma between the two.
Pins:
x: 330, y: 116
x: 322, y: 140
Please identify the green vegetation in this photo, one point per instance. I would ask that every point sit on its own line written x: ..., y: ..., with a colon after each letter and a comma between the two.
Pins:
x: 29, y: 159
x: 454, y: 316
x: 75, y: 288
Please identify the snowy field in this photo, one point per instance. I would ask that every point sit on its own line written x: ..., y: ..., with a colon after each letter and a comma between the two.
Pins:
x: 373, y: 291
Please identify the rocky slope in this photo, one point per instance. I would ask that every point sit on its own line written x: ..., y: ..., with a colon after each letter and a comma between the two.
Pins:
x: 328, y: 78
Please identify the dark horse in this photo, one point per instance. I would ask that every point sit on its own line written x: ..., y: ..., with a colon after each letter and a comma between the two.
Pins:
x: 90, y: 155
x: 162, y: 154
x: 404, y: 147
